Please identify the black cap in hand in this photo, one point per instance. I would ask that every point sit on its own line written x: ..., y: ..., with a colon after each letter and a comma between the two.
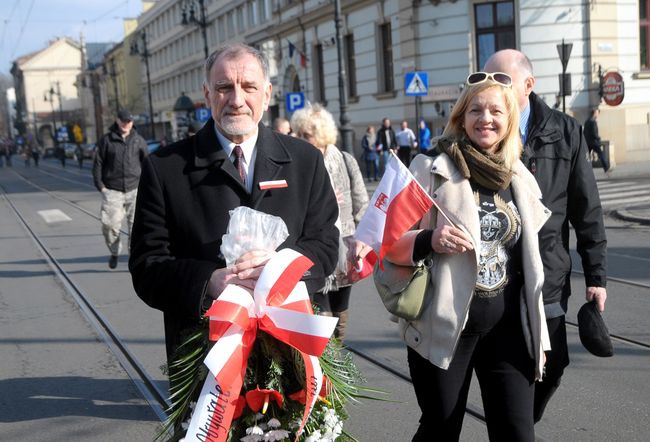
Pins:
x: 593, y: 331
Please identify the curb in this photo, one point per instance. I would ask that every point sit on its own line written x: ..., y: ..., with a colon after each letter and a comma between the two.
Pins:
x: 626, y: 215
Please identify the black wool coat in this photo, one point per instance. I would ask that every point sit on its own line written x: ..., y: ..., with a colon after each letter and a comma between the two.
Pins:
x: 185, y: 193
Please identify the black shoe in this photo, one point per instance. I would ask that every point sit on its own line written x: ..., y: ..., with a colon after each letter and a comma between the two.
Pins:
x: 112, y: 262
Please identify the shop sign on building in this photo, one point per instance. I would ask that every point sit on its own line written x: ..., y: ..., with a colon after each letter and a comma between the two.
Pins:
x: 613, y: 88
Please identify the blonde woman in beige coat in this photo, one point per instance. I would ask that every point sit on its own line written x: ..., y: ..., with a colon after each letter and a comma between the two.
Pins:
x: 484, y: 313
x: 316, y: 125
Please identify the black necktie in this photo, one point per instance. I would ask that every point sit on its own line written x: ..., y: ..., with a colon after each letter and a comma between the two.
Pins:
x: 239, y: 163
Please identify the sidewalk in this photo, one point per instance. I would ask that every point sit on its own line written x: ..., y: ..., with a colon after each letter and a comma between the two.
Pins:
x: 633, y: 169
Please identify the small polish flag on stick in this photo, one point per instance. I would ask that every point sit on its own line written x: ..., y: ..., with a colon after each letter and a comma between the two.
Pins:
x: 397, y: 204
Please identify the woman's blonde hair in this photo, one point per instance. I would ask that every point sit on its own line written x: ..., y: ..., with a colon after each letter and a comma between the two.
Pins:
x: 317, y: 121
x: 509, y: 148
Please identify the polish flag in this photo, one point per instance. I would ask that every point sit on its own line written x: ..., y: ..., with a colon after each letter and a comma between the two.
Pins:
x: 397, y: 204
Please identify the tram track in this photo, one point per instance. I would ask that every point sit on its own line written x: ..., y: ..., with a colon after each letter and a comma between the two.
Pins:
x: 134, y: 369
x: 622, y: 281
x: 152, y: 394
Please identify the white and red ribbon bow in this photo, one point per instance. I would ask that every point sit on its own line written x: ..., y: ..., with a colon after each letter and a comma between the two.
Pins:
x: 280, y: 306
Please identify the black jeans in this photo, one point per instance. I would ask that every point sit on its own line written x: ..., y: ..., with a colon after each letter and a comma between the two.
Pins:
x: 557, y: 359
x: 505, y: 373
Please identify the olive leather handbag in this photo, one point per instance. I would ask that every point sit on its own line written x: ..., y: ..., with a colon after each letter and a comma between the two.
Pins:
x: 403, y: 289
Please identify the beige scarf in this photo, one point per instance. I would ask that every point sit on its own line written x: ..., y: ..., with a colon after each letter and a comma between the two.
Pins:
x: 485, y: 168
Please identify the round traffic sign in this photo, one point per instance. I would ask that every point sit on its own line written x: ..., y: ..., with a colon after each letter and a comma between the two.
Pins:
x: 613, y: 88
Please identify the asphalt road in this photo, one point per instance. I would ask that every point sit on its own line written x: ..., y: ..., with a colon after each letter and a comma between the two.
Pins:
x: 58, y: 381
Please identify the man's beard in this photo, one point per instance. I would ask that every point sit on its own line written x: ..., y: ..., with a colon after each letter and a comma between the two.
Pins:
x: 237, y: 125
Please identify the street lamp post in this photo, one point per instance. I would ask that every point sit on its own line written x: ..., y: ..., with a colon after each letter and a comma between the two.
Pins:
x: 188, y: 17
x: 51, y: 100
x: 34, y: 116
x: 58, y: 93
x: 346, y: 130
x: 113, y: 74
x: 144, y: 54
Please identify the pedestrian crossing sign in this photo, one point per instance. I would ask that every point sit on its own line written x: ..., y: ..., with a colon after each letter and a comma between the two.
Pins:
x: 416, y: 83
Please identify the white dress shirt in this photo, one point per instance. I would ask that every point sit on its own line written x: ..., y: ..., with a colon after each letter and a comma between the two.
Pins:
x: 250, y: 153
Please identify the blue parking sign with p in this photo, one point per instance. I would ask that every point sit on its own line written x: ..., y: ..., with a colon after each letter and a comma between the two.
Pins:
x: 202, y: 114
x: 295, y: 101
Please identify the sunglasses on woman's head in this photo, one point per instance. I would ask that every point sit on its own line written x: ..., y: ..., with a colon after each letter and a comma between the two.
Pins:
x: 497, y: 77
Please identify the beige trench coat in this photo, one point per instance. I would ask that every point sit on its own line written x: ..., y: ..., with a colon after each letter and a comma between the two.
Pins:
x: 435, y: 335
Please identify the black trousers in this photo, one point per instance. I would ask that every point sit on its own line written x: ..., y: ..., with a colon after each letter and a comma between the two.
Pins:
x: 556, y: 361
x: 604, y: 161
x: 505, y: 373
x: 334, y: 301
x: 404, y: 154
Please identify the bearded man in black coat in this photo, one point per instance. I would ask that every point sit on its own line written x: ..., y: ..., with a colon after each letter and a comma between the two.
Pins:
x: 187, y: 189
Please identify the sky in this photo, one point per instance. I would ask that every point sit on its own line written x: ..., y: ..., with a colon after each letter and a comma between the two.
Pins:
x: 26, y: 26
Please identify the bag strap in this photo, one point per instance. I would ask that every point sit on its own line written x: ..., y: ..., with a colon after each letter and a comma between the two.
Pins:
x: 345, y: 161
x: 435, y: 183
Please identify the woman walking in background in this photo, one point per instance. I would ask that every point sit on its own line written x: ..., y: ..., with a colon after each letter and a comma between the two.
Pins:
x: 369, y: 146
x: 316, y: 125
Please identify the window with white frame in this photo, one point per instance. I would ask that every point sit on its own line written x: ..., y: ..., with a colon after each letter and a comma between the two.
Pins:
x: 252, y: 13
x: 494, y: 25
x: 240, y: 19
x: 230, y: 23
x: 644, y: 34
x: 221, y: 27
x: 385, y: 56
x: 350, y: 65
x: 262, y: 10
x: 319, y: 74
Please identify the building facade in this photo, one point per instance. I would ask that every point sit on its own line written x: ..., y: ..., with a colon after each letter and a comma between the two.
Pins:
x: 46, y: 89
x: 384, y: 40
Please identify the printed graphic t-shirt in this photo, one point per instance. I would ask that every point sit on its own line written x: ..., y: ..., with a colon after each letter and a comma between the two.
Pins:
x: 499, y: 279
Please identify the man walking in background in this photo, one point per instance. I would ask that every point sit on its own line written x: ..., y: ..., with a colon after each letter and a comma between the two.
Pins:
x: 406, y: 141
x: 385, y: 143
x: 116, y: 172
x: 593, y: 139
x: 282, y: 125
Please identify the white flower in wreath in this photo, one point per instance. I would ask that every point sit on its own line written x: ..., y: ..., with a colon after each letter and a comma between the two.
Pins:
x: 338, y: 429
x: 276, y: 435
x: 331, y: 419
x: 314, y: 437
x: 329, y: 436
x: 254, y: 431
x: 273, y: 423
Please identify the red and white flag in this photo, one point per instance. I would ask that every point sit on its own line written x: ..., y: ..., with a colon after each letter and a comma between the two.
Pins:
x: 397, y: 204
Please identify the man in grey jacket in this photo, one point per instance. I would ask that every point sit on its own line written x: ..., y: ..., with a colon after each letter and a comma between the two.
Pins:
x: 116, y: 173
x: 556, y: 154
